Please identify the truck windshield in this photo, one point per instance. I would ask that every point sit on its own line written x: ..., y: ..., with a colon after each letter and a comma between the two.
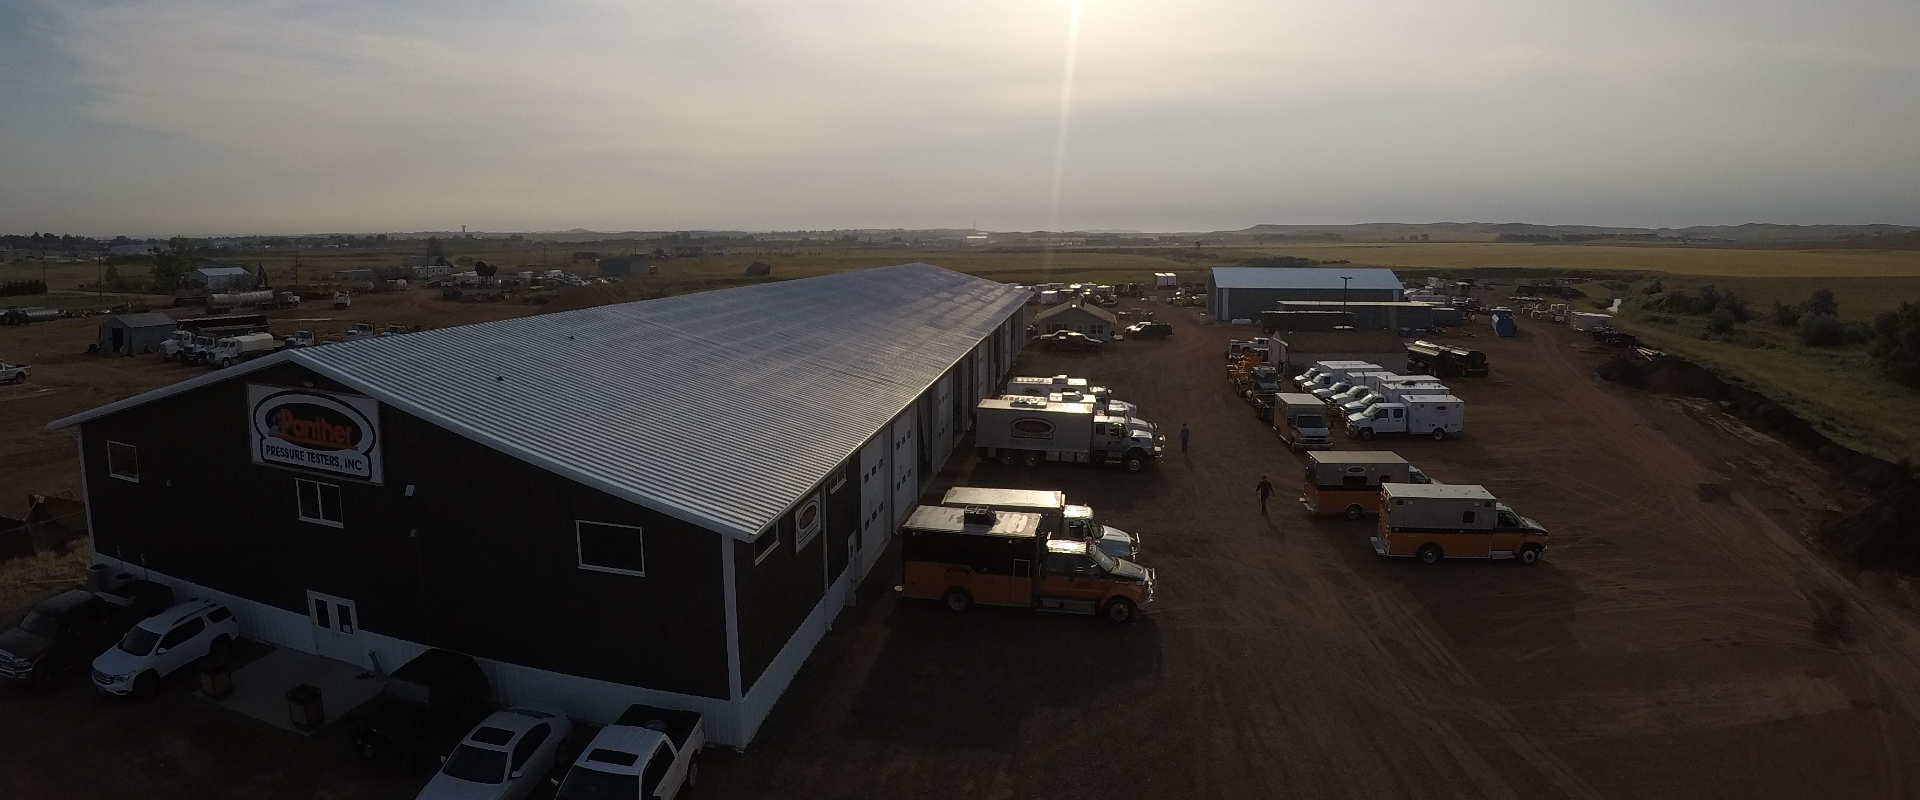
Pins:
x: 40, y: 623
x: 1105, y: 561
x: 592, y: 784
x: 1309, y: 421
x: 139, y: 642
x: 410, y: 692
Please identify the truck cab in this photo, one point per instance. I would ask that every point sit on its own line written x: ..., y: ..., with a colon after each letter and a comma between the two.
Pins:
x: 647, y: 753
x: 1077, y: 523
x: 1300, y: 420
x: 361, y: 330
x: 176, y: 344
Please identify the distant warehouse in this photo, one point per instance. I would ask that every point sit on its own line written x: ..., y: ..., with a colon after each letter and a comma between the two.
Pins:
x: 1244, y: 292
x: 664, y: 501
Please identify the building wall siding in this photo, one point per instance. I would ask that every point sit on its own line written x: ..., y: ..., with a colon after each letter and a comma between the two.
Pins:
x: 481, y: 558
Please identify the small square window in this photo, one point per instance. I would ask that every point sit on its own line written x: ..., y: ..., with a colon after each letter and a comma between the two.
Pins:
x: 123, y: 461
x: 768, y: 542
x: 605, y: 547
x: 319, y: 503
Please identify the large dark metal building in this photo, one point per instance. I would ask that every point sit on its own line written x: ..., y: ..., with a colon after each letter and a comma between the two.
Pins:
x: 664, y: 501
x: 1244, y: 292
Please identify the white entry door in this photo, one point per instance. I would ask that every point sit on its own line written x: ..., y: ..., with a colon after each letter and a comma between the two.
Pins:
x: 336, y: 628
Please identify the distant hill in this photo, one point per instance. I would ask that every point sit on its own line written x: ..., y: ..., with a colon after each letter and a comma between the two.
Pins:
x: 1749, y: 233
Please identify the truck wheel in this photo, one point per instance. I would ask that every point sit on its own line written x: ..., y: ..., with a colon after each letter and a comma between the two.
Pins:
x: 1366, y: 433
x: 1439, y: 434
x: 693, y: 771
x: 226, y: 362
x: 1529, y: 555
x: 1119, y: 611
x: 1030, y: 458
x: 1006, y: 458
x: 145, y: 686
x: 1135, y: 462
x: 1429, y: 554
x: 1353, y: 511
x: 957, y: 599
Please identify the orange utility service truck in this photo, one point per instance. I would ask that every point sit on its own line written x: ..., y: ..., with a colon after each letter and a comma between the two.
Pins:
x: 1349, y: 482
x: 963, y: 556
x: 1431, y: 521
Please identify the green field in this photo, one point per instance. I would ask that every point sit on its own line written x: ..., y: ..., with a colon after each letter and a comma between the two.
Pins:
x: 1836, y: 388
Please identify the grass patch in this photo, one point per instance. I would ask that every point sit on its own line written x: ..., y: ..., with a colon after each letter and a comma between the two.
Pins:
x: 26, y: 580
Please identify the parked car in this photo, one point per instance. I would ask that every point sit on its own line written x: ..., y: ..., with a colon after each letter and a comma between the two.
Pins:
x: 162, y: 644
x: 70, y: 629
x: 505, y: 756
x: 1069, y: 340
x: 426, y: 701
x: 1149, y: 330
x: 14, y: 373
x: 647, y: 753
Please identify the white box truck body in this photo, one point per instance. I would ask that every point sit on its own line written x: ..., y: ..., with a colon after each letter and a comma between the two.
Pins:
x: 1032, y: 430
x: 1586, y: 321
x: 1432, y: 415
x: 1041, y: 387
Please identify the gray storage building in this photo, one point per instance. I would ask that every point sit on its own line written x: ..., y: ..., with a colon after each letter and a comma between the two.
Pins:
x: 1298, y: 349
x: 601, y: 506
x: 1382, y: 316
x: 1093, y: 321
x: 135, y: 334
x: 1244, y: 292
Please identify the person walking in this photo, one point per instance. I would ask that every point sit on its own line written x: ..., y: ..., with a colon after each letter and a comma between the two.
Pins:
x: 1184, y: 436
x: 1266, y: 490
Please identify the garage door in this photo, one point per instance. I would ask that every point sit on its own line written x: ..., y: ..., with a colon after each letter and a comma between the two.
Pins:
x: 876, y: 489
x: 942, y: 420
x: 906, y: 480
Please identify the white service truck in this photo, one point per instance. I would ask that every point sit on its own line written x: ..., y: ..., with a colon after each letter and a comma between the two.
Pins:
x: 1318, y: 368
x: 1032, y: 430
x: 231, y: 350
x: 647, y: 753
x: 1433, y: 415
x: 342, y: 300
x: 1391, y: 392
x: 13, y: 373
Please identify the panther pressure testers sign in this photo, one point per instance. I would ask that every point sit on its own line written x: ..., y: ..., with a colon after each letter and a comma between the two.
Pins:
x: 335, y: 434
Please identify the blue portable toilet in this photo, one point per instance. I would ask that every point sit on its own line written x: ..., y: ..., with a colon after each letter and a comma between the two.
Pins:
x: 1502, y: 321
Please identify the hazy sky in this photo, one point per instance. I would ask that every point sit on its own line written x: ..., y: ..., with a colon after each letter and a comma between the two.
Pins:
x: 195, y: 116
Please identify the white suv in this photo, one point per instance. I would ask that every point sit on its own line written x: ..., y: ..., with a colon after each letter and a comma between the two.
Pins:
x: 163, y: 643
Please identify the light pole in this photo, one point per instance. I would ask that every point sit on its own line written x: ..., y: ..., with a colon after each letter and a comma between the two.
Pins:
x: 1343, y: 291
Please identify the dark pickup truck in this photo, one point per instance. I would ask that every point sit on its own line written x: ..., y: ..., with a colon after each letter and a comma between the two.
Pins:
x: 428, y: 702
x: 66, y: 631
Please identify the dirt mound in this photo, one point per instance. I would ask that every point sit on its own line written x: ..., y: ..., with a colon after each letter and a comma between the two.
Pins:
x: 1884, y: 535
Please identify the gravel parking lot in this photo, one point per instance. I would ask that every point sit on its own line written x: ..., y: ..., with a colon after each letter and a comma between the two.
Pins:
x: 1675, y: 641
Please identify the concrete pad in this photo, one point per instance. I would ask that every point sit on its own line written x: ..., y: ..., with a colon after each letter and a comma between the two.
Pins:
x: 260, y: 687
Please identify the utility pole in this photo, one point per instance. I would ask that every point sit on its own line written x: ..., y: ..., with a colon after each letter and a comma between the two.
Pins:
x: 296, y: 262
x: 1343, y: 291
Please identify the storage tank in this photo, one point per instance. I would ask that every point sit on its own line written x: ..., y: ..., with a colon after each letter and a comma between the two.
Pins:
x: 238, y: 299
x: 28, y: 315
x: 1586, y: 321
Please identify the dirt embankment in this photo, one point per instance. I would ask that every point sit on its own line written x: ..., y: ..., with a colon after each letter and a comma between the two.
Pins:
x: 1884, y: 535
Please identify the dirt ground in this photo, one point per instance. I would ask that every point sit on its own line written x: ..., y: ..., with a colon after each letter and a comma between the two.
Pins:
x: 1680, y: 638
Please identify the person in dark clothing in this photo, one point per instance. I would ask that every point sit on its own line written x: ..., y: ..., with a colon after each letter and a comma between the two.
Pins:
x: 1184, y: 435
x: 1266, y: 490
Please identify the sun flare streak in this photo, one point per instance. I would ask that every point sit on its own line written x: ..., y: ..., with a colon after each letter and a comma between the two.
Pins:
x: 1060, y: 133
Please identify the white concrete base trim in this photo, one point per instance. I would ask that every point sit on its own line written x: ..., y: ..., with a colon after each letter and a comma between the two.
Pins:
x: 773, y: 681
x: 582, y: 698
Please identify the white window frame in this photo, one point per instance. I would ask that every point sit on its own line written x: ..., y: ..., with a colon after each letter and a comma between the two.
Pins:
x: 773, y: 531
x: 580, y: 556
x: 135, y: 477
x: 301, y: 513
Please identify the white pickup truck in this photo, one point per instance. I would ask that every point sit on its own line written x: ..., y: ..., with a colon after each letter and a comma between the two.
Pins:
x: 13, y: 373
x: 648, y: 752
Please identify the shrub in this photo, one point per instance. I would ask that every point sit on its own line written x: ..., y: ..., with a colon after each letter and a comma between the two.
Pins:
x: 1654, y: 288
x: 1722, y: 320
x: 1784, y: 315
x: 1896, y: 343
x: 1821, y: 301
x: 1822, y: 330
